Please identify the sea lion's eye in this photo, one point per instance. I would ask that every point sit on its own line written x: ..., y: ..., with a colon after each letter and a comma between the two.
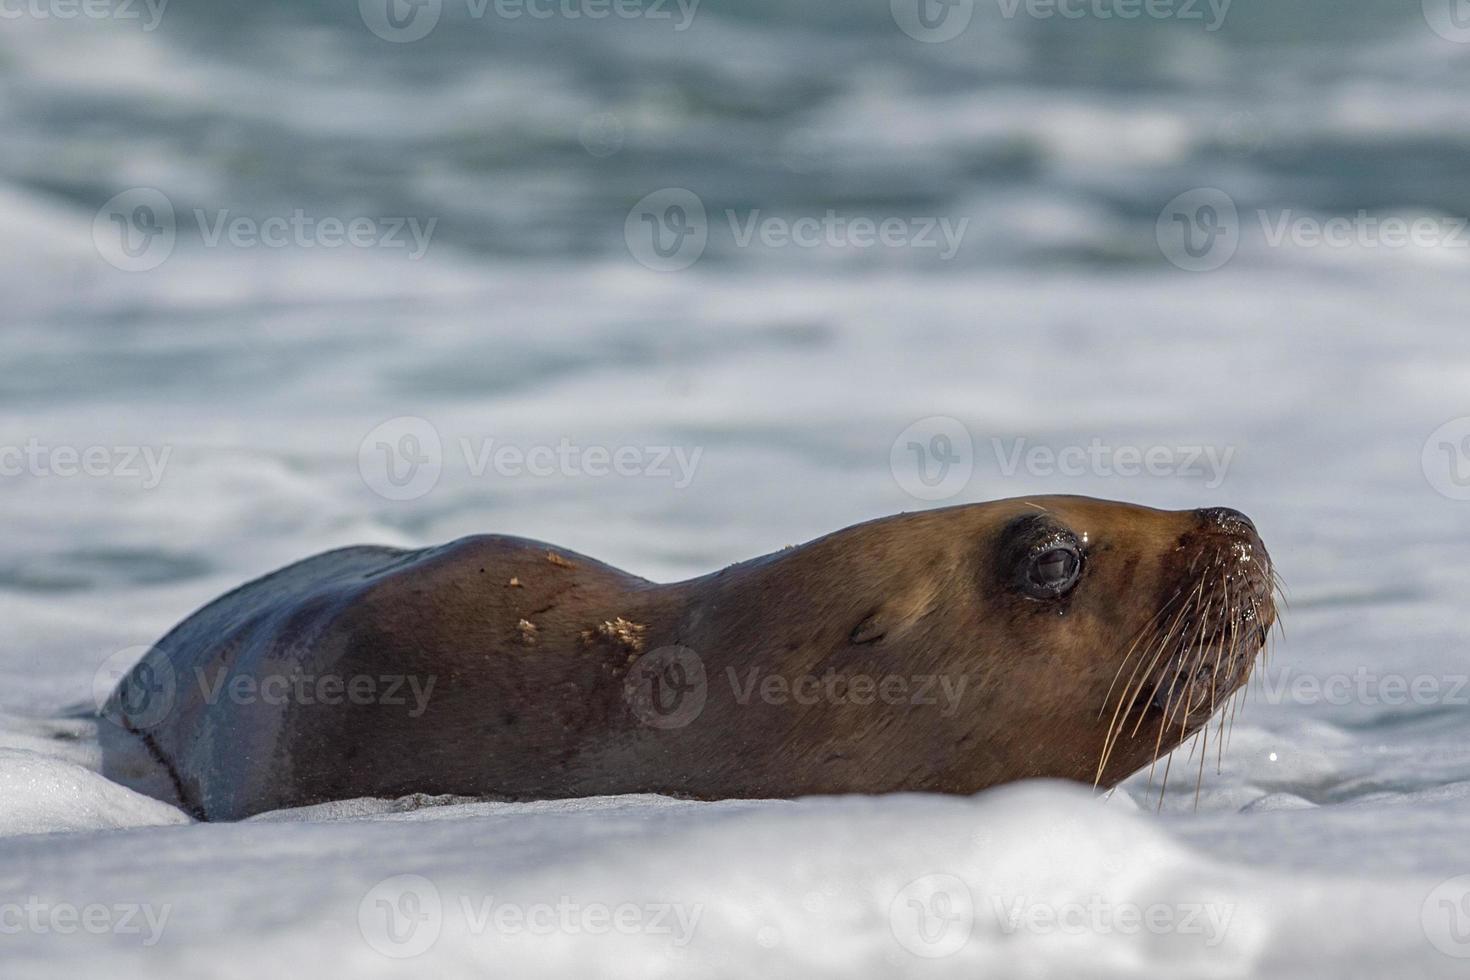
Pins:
x: 1053, y: 572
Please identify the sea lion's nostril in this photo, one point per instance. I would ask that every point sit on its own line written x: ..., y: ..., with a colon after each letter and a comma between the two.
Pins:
x: 1226, y: 519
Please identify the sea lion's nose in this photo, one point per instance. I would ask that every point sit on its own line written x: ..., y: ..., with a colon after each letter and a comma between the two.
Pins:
x: 1226, y: 519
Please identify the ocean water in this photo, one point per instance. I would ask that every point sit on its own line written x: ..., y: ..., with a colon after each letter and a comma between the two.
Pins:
x: 235, y: 396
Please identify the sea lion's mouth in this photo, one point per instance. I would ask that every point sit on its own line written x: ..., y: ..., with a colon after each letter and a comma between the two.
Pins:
x: 1200, y: 648
x: 1197, y: 680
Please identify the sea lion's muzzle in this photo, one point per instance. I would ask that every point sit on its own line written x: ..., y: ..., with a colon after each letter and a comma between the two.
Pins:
x: 1221, y: 614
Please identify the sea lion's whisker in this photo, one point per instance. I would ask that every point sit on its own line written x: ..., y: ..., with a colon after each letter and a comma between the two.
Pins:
x: 1204, y: 750
x: 1164, y: 647
x: 1164, y: 786
x: 1179, y: 666
x: 1119, y: 719
x: 1147, y: 628
x: 1164, y: 716
x: 1222, y: 734
x: 1219, y: 650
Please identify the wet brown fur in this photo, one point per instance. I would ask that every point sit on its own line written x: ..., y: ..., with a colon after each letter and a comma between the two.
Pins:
x: 529, y: 682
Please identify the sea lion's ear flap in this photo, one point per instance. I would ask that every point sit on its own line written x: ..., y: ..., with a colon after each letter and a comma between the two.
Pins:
x: 895, y: 616
x: 870, y: 630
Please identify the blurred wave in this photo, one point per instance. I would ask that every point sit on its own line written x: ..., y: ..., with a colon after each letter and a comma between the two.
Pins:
x: 529, y: 140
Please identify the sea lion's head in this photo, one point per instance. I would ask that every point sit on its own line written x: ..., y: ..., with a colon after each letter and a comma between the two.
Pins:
x: 1067, y: 637
x: 1123, y: 629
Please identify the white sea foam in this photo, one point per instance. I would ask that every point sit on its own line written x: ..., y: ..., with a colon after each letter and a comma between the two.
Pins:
x: 1325, y: 828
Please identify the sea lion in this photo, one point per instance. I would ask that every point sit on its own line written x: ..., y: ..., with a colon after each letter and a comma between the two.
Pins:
x: 947, y: 650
